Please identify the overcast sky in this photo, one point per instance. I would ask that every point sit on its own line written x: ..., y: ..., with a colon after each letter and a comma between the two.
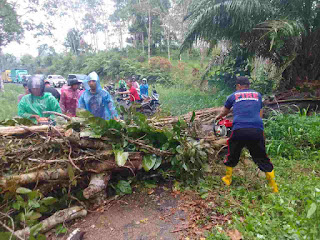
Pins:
x: 29, y: 44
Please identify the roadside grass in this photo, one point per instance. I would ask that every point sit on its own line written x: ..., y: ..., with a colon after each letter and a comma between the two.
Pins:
x: 9, y: 101
x: 180, y: 100
x: 256, y: 212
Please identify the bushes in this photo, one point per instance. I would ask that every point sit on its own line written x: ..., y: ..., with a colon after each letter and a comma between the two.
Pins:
x: 264, y: 75
x: 114, y: 64
x: 160, y: 63
x: 292, y: 135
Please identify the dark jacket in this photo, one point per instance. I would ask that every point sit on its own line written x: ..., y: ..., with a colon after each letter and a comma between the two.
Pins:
x: 53, y: 91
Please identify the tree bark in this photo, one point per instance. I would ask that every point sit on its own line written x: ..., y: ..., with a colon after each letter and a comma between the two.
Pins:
x: 142, y: 39
x: 134, y: 163
x: 1, y: 85
x: 149, y: 35
x: 168, y: 41
x: 61, y: 216
x: 27, y: 178
x: 9, y: 131
x: 121, y: 35
x: 98, y: 183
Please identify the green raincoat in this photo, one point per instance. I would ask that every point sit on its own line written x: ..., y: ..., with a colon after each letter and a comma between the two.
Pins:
x: 34, y: 105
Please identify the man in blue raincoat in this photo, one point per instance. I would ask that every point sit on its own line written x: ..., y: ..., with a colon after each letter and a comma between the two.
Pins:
x: 144, y: 89
x: 97, y: 100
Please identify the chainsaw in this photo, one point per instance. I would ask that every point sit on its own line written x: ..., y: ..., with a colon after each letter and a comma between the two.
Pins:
x: 222, y: 128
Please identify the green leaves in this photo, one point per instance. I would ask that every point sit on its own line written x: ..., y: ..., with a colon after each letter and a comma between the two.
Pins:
x: 60, y: 229
x: 22, y: 190
x: 149, y: 162
x: 311, y: 210
x: 17, y: 121
x: 123, y: 187
x: 121, y: 157
x: 193, y: 117
x: 48, y: 201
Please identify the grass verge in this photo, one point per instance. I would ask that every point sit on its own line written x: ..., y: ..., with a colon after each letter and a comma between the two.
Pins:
x: 252, y: 209
x: 9, y: 101
x: 180, y: 100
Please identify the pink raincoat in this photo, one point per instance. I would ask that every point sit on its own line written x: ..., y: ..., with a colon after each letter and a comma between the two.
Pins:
x: 69, y: 100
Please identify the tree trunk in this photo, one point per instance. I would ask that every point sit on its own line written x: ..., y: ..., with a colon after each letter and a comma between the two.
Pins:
x: 168, y: 40
x: 121, y: 35
x: 61, y: 216
x: 98, y: 183
x: 1, y: 85
x: 9, y: 131
x: 149, y: 35
x: 106, y: 39
x: 142, y: 39
x: 97, y: 40
x: 27, y: 178
x: 134, y: 163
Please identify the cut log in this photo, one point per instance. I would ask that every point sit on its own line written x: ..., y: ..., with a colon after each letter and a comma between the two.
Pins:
x: 220, y: 142
x: 98, y: 183
x: 204, y: 116
x: 27, y: 178
x: 9, y: 131
x: 134, y: 162
x: 61, y: 216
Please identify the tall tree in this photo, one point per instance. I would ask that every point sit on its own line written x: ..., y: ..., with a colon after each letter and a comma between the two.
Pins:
x: 28, y: 62
x: 10, y: 26
x: 8, y: 61
x: 73, y: 41
x: 286, y: 31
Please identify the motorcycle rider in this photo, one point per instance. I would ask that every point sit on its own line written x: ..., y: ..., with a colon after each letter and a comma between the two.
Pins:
x: 135, y: 84
x: 247, y: 131
x: 122, y: 85
x: 133, y: 93
x: 34, y: 104
x: 69, y: 97
x: 144, y: 89
x: 97, y: 100
x: 53, y: 91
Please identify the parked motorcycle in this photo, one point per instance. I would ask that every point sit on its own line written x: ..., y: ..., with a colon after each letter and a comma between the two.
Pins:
x: 147, y: 105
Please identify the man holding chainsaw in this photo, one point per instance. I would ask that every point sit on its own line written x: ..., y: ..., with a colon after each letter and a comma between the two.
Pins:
x: 247, y: 131
x: 34, y: 104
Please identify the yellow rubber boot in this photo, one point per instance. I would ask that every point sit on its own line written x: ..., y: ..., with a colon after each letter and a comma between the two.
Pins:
x: 272, y: 182
x: 227, y: 179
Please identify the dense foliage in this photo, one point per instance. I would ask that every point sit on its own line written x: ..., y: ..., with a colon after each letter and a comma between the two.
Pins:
x: 293, y: 136
x: 285, y: 31
x: 10, y: 26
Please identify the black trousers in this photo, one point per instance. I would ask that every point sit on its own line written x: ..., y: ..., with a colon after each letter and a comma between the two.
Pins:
x: 253, y: 139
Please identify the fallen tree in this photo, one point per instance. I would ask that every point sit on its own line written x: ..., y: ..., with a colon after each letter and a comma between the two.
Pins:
x: 61, y: 216
x: 84, y: 154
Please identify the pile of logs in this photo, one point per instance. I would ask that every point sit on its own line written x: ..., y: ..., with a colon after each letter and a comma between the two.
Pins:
x: 204, y: 116
x: 48, y: 157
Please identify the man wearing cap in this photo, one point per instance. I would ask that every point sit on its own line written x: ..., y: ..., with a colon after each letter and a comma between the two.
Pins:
x: 247, y: 131
x: 97, y: 100
x: 70, y: 96
x: 34, y: 104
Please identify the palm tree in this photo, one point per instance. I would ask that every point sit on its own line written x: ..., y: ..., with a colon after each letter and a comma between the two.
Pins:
x: 286, y: 31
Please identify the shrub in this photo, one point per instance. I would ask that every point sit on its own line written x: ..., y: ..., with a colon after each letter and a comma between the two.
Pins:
x: 160, y: 63
x: 292, y: 135
x: 141, y: 59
